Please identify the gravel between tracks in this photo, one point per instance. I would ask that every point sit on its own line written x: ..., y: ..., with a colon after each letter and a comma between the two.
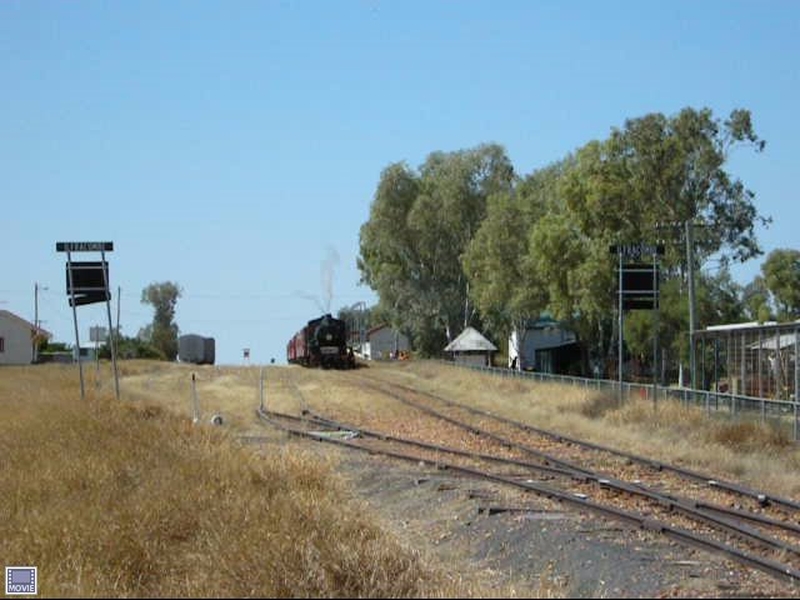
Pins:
x: 540, y: 548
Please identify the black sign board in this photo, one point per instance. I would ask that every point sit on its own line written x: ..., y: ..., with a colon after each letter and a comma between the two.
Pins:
x: 640, y: 287
x: 84, y: 246
x: 88, y: 282
x: 639, y: 302
x: 637, y: 250
x: 90, y: 298
x: 639, y: 277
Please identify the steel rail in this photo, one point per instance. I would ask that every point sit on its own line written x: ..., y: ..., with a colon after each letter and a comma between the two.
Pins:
x: 763, y: 498
x: 688, y: 508
x: 771, y: 567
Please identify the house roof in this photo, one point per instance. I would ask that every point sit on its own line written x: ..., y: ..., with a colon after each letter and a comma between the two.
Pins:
x: 376, y: 328
x: 22, y: 322
x: 470, y: 340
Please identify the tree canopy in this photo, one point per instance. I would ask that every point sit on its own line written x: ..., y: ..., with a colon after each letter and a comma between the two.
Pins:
x: 464, y: 239
x: 163, y: 332
x: 420, y: 224
x: 781, y: 278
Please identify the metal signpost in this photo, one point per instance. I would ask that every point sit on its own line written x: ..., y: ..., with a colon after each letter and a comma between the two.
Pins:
x: 87, y: 283
x: 97, y: 334
x: 638, y: 289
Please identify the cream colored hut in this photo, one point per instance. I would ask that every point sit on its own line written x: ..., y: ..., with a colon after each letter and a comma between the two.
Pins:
x: 471, y: 348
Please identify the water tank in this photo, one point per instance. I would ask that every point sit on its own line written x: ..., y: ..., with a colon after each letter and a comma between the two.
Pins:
x: 193, y: 348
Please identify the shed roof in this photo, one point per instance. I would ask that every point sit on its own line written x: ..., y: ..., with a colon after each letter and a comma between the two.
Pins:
x: 23, y: 323
x: 786, y: 340
x: 470, y: 340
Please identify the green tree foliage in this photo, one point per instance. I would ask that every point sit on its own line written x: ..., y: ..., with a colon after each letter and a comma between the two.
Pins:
x: 462, y: 234
x: 164, y: 331
x: 656, y: 171
x: 131, y: 348
x: 659, y: 171
x: 756, y: 300
x: 420, y: 225
x: 501, y: 261
x: 781, y: 276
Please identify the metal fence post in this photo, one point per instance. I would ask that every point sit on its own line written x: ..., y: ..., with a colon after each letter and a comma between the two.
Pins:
x: 261, y: 389
x: 195, y: 405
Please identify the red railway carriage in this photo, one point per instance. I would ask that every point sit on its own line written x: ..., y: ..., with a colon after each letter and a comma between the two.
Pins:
x: 297, y: 348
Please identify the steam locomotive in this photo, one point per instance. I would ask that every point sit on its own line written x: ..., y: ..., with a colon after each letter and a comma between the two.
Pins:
x: 321, y: 343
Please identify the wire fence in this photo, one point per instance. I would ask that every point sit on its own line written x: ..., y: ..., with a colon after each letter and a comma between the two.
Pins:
x: 778, y: 414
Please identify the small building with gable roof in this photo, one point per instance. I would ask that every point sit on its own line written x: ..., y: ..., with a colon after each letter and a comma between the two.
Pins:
x: 471, y: 348
x: 384, y: 342
x: 17, y: 337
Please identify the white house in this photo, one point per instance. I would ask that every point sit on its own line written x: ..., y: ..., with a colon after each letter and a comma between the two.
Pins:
x: 16, y: 339
x: 539, y: 345
x: 470, y: 347
x: 382, y: 342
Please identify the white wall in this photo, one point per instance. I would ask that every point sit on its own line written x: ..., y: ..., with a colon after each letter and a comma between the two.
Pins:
x: 17, y: 342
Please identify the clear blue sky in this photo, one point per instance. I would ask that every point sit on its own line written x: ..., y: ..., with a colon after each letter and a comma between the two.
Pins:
x: 235, y: 147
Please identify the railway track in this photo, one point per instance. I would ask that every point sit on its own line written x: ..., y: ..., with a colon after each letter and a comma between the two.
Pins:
x: 710, y: 492
x: 758, y: 540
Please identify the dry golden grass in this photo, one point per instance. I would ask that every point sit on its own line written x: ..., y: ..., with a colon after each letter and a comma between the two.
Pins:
x: 120, y: 499
x: 130, y: 499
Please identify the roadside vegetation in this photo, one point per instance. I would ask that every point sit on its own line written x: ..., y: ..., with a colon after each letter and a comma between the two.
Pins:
x: 114, y: 499
x: 118, y: 499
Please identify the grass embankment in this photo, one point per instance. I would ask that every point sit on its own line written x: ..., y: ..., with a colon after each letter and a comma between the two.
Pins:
x: 741, y: 449
x: 109, y: 501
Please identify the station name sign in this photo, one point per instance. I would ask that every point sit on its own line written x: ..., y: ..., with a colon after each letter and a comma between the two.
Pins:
x: 637, y: 250
x: 84, y: 246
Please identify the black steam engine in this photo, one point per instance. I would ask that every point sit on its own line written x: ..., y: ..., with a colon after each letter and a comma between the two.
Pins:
x: 321, y: 343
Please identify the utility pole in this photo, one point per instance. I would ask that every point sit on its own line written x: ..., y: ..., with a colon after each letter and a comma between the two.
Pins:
x: 692, y: 312
x: 36, y: 320
x: 688, y: 234
x: 119, y: 294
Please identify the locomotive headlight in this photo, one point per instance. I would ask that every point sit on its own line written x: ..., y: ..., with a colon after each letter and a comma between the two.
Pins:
x: 328, y: 337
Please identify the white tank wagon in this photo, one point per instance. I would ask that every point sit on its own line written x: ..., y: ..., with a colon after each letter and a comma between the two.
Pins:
x: 193, y: 348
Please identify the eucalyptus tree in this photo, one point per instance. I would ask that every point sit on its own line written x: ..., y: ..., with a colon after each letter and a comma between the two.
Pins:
x: 163, y: 332
x: 504, y: 281
x: 648, y: 180
x: 420, y: 224
x: 756, y: 300
x: 781, y: 276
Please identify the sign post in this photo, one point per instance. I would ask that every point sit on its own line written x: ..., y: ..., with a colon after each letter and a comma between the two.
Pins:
x: 87, y: 283
x: 97, y: 334
x: 75, y: 320
x: 638, y: 289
